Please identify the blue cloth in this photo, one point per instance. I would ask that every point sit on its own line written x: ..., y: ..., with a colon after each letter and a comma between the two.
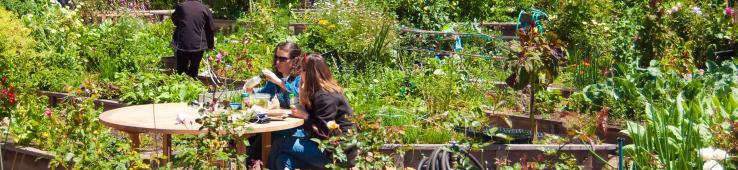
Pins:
x: 296, y: 152
x: 272, y: 89
x: 457, y: 45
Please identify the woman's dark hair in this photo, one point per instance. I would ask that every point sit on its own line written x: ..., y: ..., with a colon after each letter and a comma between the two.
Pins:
x: 293, y: 52
x: 318, y: 77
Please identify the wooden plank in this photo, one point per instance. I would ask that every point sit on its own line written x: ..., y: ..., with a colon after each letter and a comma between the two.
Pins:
x: 56, y: 97
x: 266, y: 146
x: 166, y: 148
x: 26, y: 150
x: 419, y: 31
x: 511, y: 147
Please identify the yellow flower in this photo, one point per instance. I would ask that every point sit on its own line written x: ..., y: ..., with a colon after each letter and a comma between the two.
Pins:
x: 332, y: 125
x: 332, y: 26
x: 322, y: 22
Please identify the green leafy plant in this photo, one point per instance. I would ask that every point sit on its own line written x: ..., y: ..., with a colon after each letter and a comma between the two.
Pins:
x: 156, y: 87
x: 211, y: 150
x: 76, y: 138
x: 683, y: 123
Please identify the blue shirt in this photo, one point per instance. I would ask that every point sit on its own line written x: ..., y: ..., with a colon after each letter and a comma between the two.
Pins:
x: 293, y: 86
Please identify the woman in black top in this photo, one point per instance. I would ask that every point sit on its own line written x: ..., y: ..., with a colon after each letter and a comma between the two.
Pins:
x: 326, y: 113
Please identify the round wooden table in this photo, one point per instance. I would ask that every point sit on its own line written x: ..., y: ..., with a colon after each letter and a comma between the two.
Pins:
x: 162, y: 118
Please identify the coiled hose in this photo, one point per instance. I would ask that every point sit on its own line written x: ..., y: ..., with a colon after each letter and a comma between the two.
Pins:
x: 442, y: 159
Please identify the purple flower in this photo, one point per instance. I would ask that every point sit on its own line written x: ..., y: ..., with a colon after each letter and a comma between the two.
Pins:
x: 47, y: 112
x: 219, y: 57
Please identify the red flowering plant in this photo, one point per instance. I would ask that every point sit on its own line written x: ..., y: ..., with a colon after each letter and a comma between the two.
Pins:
x: 7, y: 96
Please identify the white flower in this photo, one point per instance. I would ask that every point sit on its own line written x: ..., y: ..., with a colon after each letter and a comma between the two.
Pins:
x: 181, y: 117
x: 708, y: 154
x: 697, y: 10
x: 712, y: 165
x: 719, y: 155
x: 375, y: 81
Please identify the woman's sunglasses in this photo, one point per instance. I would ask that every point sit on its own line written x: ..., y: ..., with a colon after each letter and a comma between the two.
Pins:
x: 281, y: 59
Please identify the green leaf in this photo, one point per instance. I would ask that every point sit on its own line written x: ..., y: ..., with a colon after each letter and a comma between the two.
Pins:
x: 676, y: 132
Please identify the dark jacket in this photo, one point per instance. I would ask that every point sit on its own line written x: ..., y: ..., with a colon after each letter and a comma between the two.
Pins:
x: 194, y: 27
x: 328, y: 107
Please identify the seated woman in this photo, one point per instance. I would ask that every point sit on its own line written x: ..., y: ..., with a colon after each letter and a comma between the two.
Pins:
x: 322, y: 102
x: 289, y: 76
x: 285, y: 66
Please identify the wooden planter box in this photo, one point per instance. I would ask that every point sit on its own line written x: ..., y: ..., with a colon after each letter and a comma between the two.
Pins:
x: 298, y: 28
x: 556, y: 127
x: 168, y: 64
x: 18, y: 157
x: 227, y: 26
x: 507, y: 28
x: 513, y: 152
x: 56, y: 97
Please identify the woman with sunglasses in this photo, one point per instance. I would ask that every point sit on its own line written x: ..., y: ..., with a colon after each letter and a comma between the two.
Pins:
x: 325, y: 110
x: 288, y: 75
x: 285, y: 64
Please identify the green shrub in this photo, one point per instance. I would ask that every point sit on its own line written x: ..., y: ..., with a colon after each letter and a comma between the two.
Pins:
x: 16, y: 49
x: 128, y: 45
x: 141, y: 88
x: 350, y: 35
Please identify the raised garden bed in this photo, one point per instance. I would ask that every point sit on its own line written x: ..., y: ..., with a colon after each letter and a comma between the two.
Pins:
x: 56, y: 97
x: 555, y: 127
x: 507, y: 28
x: 15, y: 157
x: 168, y: 64
x: 298, y: 28
x: 19, y: 157
x: 30, y: 158
x: 513, y: 152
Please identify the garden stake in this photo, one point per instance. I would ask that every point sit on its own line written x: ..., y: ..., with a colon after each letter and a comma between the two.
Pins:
x: 620, y: 153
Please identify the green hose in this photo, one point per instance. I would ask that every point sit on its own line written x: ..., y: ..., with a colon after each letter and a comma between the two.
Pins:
x: 537, y: 15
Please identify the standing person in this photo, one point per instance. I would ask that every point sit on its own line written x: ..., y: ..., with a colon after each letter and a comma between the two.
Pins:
x: 326, y: 113
x: 194, y: 33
